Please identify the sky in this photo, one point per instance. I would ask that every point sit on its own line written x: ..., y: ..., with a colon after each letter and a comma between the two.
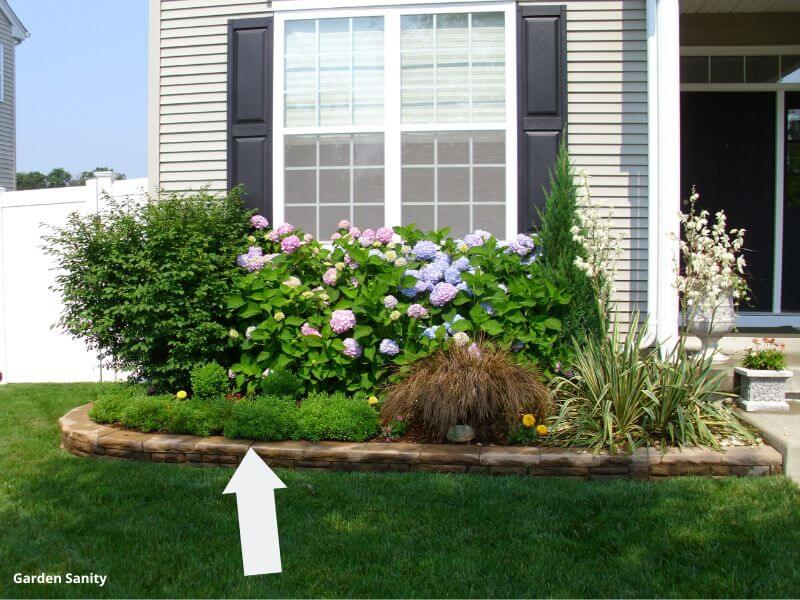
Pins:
x: 82, y: 85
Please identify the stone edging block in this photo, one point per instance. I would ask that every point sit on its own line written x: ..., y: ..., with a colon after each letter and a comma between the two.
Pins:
x: 83, y: 437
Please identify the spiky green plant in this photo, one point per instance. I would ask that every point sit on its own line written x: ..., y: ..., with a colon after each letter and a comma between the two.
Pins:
x: 621, y: 397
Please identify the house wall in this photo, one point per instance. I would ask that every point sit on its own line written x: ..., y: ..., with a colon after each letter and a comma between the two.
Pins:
x: 607, y: 107
x: 8, y: 177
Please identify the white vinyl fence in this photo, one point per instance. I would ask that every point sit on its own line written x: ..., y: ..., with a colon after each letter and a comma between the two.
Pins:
x: 31, y: 350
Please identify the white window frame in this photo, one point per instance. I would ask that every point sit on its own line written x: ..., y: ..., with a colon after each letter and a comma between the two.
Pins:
x: 392, y: 127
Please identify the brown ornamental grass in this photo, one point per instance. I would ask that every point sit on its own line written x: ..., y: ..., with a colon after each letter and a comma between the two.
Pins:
x: 459, y: 385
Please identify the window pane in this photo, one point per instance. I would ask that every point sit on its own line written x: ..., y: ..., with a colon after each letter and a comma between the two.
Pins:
x: 761, y: 69
x: 694, y: 69
x: 324, y: 181
x: 334, y: 72
x: 455, y: 180
x: 727, y: 69
x: 790, y: 69
x: 453, y: 68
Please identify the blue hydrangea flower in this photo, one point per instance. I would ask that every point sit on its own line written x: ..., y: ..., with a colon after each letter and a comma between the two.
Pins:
x: 443, y: 258
x: 410, y: 292
x: 430, y: 332
x: 487, y: 307
x: 431, y: 273
x: 452, y: 275
x: 425, y: 250
x: 464, y: 288
x: 389, y: 347
x: 461, y: 264
x: 522, y: 245
x: 423, y: 286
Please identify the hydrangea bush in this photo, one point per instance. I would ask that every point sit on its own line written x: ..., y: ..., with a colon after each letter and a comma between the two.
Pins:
x: 341, y: 315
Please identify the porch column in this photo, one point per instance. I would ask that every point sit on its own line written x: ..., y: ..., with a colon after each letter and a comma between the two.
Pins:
x: 664, y: 193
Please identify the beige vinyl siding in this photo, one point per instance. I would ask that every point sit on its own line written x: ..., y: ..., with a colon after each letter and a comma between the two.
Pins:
x: 8, y: 176
x: 607, y: 120
x: 192, y: 77
x: 607, y: 109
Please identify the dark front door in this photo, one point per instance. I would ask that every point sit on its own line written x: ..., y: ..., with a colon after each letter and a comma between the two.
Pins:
x: 791, y: 206
x: 728, y: 153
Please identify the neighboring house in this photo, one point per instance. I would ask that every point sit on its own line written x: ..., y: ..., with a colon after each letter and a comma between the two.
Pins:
x: 450, y: 113
x: 12, y: 33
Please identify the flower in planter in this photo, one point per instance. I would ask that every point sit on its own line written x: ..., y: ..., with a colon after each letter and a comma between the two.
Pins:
x: 259, y: 222
x: 330, y: 276
x: 425, y: 250
x: 443, y: 293
x: 389, y: 347
x: 390, y: 301
x: 417, y: 311
x: 290, y: 243
x: 528, y: 420
x: 284, y: 228
x: 342, y: 320
x: 351, y: 348
x: 307, y: 329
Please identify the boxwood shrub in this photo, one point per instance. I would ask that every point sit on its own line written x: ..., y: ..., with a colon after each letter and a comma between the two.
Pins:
x: 269, y: 418
x: 336, y: 417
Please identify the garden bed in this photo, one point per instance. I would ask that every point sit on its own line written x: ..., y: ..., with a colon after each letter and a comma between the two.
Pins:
x: 83, y: 437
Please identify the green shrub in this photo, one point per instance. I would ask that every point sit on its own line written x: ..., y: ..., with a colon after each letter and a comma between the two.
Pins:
x: 621, y: 397
x: 581, y: 318
x: 144, y: 284
x: 345, y: 315
x: 280, y: 382
x: 198, y: 417
x: 269, y: 418
x: 148, y: 413
x: 112, y: 401
x: 209, y: 382
x: 336, y: 417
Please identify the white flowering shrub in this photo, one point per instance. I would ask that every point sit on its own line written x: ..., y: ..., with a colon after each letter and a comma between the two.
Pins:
x: 712, y: 268
x: 602, y: 247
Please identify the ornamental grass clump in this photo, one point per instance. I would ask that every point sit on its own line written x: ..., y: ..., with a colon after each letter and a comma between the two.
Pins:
x: 620, y: 397
x: 476, y: 385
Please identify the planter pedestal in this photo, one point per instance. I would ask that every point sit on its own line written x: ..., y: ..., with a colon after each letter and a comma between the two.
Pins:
x: 761, y: 390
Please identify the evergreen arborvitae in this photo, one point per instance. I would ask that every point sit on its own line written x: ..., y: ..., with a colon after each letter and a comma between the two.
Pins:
x: 582, y: 317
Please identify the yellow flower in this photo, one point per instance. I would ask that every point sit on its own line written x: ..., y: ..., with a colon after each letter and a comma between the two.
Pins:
x: 181, y: 395
x: 251, y: 239
x: 279, y: 316
x: 541, y: 430
x: 394, y: 315
x: 528, y: 420
x: 339, y: 266
x: 372, y: 400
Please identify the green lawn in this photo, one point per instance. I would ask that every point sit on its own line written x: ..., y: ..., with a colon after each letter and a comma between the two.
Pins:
x: 167, y: 530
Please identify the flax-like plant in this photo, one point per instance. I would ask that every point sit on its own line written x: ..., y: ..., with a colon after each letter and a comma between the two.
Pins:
x: 621, y: 396
x: 478, y: 385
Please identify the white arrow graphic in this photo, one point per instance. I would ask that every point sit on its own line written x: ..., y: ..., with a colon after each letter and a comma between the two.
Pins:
x: 254, y: 484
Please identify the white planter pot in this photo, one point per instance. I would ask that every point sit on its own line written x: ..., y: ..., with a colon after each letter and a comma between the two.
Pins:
x: 761, y: 390
x: 712, y: 326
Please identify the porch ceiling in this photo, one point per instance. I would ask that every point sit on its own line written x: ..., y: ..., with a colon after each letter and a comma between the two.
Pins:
x: 739, y: 6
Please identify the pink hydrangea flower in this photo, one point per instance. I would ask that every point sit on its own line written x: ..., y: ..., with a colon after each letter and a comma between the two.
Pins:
x: 417, y: 311
x: 336, y: 236
x: 367, y: 237
x: 351, y: 348
x: 443, y: 293
x: 284, y: 228
x: 330, y: 276
x: 307, y: 329
x: 272, y: 236
x: 354, y: 232
x: 308, y: 237
x: 342, y: 320
x: 390, y: 301
x: 259, y: 222
x: 384, y: 235
x: 343, y: 224
x: 290, y: 243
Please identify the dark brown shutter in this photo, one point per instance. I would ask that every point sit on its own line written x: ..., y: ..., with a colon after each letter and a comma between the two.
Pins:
x: 542, y: 102
x: 250, y: 110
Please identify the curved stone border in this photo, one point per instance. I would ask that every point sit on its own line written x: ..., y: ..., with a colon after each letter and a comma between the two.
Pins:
x: 81, y: 436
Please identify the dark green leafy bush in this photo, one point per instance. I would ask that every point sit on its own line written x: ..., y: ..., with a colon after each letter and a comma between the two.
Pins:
x: 209, y: 382
x: 198, y: 417
x: 581, y: 318
x: 145, y: 284
x: 148, y: 413
x: 336, y: 417
x: 281, y: 382
x: 263, y: 418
